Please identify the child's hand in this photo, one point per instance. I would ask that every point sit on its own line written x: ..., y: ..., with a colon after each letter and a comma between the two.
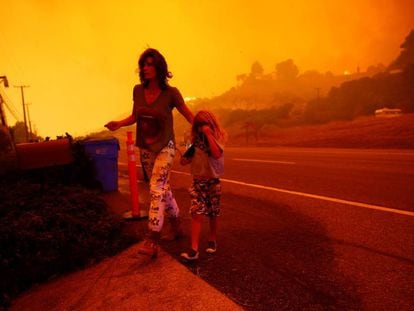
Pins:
x: 206, y: 130
x: 185, y: 161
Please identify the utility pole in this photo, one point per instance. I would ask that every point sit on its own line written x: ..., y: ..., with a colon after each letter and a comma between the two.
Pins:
x: 3, y: 121
x: 24, y: 109
x: 30, y: 122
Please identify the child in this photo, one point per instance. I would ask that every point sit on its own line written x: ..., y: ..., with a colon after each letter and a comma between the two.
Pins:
x: 207, y: 165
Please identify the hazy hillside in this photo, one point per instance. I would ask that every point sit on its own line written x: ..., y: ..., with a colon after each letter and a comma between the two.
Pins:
x: 366, y: 132
x: 260, y: 91
x: 287, y: 98
x: 281, y: 108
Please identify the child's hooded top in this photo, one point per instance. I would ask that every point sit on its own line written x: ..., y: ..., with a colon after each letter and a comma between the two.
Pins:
x: 203, y: 164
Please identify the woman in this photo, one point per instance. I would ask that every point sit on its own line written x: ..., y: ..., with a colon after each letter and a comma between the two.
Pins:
x: 154, y: 99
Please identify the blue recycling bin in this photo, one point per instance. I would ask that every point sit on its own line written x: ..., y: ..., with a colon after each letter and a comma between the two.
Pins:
x: 104, y: 157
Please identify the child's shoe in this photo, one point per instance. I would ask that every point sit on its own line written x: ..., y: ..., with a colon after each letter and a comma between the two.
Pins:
x: 190, y: 255
x: 212, y: 247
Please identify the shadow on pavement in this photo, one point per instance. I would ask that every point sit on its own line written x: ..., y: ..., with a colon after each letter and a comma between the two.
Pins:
x: 269, y: 257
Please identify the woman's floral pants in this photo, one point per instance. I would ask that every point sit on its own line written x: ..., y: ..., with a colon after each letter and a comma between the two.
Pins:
x: 157, y: 167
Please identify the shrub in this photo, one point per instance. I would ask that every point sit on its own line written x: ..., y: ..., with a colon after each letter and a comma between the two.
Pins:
x: 48, y: 229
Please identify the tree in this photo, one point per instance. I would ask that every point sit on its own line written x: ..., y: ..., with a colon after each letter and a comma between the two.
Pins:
x: 256, y: 70
x: 286, y: 70
x: 406, y: 56
x: 241, y: 78
x: 18, y: 132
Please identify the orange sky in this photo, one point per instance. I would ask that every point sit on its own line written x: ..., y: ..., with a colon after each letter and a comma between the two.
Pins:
x: 79, y: 57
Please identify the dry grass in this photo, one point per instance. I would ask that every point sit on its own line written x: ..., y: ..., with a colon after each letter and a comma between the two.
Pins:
x: 367, y: 132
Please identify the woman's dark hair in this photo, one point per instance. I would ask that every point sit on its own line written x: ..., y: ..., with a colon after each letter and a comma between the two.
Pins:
x: 160, y: 64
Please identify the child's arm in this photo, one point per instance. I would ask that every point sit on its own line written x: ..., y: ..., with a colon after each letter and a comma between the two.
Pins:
x: 215, y: 149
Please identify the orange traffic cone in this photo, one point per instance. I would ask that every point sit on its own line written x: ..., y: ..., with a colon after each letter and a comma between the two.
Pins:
x: 135, y: 213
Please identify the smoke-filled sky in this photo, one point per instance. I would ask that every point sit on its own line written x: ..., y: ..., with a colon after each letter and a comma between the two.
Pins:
x: 79, y: 58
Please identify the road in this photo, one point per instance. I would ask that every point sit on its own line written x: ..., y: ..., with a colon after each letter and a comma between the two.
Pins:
x: 312, y: 229
x: 377, y: 177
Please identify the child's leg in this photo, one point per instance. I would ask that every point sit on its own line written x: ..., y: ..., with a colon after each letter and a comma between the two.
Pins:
x: 195, y: 231
x: 213, y: 223
x: 197, y: 210
x: 214, y: 197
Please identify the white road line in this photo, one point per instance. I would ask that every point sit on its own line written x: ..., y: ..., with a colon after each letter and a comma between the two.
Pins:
x: 308, y: 195
x: 315, y: 196
x: 263, y: 161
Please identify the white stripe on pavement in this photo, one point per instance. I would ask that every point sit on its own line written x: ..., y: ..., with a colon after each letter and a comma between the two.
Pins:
x: 263, y: 161
x: 315, y: 196
x: 309, y: 195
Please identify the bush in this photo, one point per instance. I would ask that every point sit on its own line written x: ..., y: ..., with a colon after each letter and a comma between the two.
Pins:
x: 49, y: 229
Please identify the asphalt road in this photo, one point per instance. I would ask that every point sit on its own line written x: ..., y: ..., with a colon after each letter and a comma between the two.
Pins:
x: 377, y: 177
x: 311, y: 229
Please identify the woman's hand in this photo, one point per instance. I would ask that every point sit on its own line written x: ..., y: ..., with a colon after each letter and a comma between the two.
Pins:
x: 113, y: 125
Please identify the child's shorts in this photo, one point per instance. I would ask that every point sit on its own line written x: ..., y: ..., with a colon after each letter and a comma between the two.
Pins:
x: 205, y: 197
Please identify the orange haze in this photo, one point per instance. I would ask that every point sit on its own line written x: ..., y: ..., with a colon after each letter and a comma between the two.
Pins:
x: 79, y: 57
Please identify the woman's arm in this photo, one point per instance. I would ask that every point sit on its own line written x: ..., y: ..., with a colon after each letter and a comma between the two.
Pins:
x: 181, y: 106
x: 215, y: 149
x: 114, y: 125
x: 186, y: 112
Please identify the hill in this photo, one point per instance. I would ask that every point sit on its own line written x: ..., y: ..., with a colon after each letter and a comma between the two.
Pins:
x: 364, y: 132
